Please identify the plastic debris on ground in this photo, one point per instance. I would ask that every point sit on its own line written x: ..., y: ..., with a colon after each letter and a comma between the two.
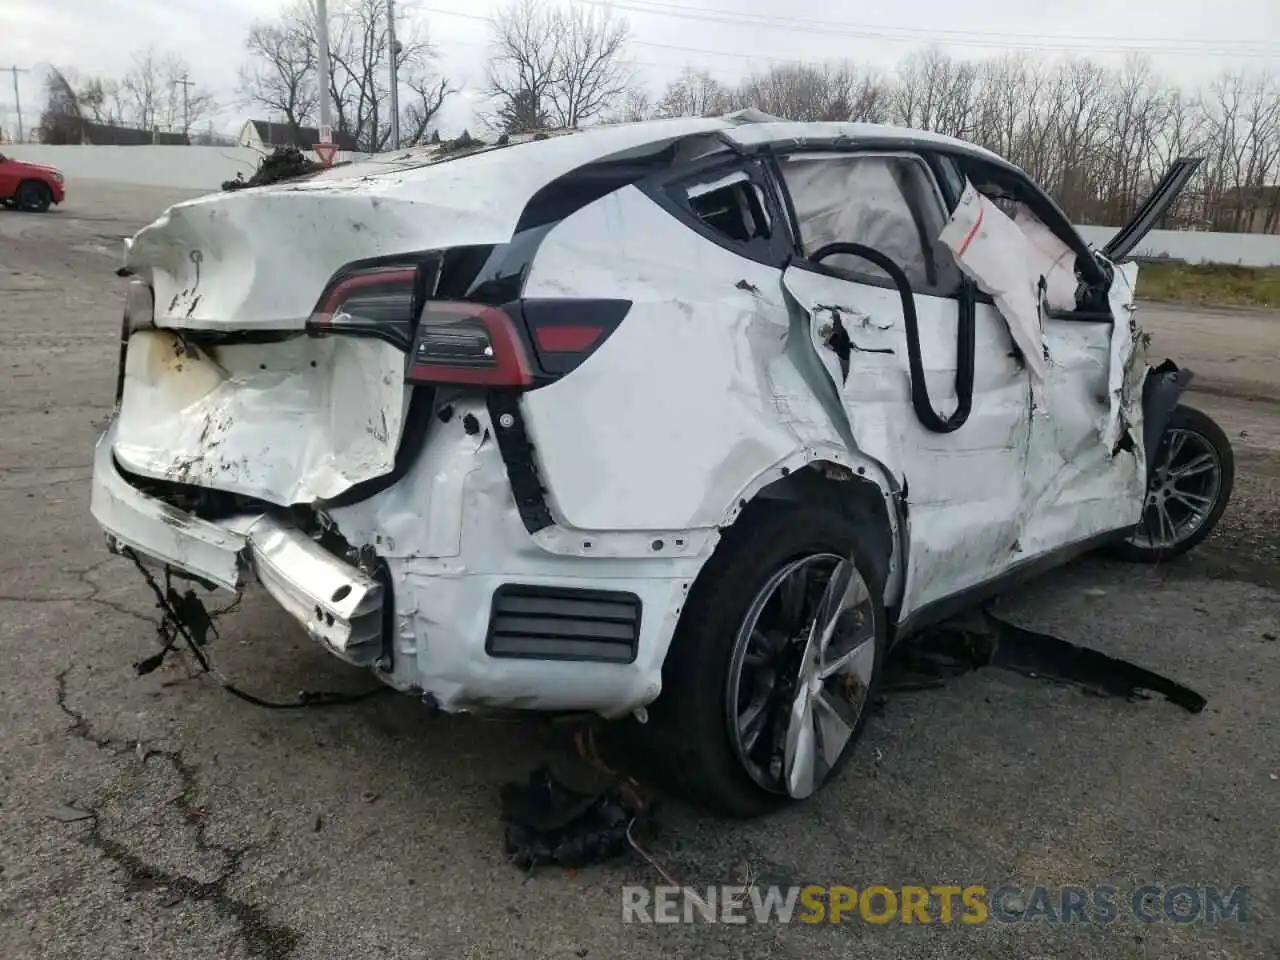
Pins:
x: 571, y: 814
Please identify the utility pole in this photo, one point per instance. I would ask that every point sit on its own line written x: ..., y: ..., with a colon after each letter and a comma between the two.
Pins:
x: 395, y: 75
x: 186, y: 103
x: 322, y: 63
x: 17, y: 100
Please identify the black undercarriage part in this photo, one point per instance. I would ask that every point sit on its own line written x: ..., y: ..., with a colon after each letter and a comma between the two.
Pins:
x: 981, y: 640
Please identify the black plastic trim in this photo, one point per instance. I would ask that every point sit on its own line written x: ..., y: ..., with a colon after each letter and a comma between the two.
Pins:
x: 1163, y: 388
x: 1082, y: 316
x: 1152, y: 209
x: 528, y: 622
x: 517, y: 455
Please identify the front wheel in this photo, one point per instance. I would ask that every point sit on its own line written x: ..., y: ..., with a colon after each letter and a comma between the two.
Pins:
x: 774, y: 664
x: 1192, y: 475
x: 34, y: 196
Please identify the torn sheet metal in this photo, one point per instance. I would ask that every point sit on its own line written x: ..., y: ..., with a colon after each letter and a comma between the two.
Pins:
x: 1128, y: 364
x: 991, y: 249
x: 286, y: 422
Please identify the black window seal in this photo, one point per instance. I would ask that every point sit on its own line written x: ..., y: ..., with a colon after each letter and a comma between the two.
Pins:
x: 669, y: 193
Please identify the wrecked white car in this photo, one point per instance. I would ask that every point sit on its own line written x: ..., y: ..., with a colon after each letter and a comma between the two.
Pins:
x: 683, y: 420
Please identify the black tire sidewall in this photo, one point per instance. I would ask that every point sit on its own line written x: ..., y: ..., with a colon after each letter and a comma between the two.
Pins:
x: 33, y: 195
x: 691, y: 711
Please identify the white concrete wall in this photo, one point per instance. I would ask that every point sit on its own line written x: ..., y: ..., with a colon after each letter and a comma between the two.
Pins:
x: 179, y: 168
x: 204, y: 168
x: 1243, y: 249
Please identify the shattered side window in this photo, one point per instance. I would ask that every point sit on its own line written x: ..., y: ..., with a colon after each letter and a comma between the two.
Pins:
x: 888, y: 202
x: 732, y: 206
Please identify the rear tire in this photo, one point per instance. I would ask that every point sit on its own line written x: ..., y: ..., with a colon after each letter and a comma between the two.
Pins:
x: 1192, y: 475
x: 726, y: 670
x: 34, y: 196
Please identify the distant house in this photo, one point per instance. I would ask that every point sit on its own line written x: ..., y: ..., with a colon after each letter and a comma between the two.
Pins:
x: 263, y: 135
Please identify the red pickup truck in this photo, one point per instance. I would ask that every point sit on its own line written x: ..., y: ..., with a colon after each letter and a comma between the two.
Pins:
x: 29, y: 186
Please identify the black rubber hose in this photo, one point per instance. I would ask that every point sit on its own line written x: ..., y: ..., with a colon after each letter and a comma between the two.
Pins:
x: 965, y: 340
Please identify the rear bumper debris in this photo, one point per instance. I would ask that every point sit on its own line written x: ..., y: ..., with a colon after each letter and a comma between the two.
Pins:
x: 440, y: 626
x: 337, y: 603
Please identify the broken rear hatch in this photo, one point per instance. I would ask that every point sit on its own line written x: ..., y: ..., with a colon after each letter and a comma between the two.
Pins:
x: 251, y: 369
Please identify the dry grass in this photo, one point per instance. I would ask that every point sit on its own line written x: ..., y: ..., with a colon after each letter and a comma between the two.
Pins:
x: 1208, y: 285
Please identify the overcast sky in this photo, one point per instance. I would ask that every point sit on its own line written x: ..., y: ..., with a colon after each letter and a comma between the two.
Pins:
x: 1189, y: 40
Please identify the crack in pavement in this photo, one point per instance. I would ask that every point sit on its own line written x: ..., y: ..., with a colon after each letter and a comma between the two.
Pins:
x: 91, y: 597
x: 261, y: 937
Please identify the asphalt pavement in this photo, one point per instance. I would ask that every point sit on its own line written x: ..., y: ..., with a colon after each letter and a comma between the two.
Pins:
x: 159, y: 816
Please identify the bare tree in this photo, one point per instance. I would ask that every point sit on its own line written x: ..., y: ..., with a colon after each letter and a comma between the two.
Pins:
x: 813, y: 92
x: 142, y: 88
x: 558, y: 66
x: 636, y: 106
x: 430, y: 93
x: 591, y: 75
x: 694, y: 93
x: 524, y: 65
x: 282, y: 73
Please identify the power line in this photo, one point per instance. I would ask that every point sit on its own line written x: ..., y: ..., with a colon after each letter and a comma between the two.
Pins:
x: 897, y: 36
x: 978, y: 41
x: 878, y: 31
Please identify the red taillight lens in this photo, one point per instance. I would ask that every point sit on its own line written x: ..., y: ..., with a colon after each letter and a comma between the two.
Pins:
x: 559, y: 339
x: 468, y: 344
x: 379, y: 295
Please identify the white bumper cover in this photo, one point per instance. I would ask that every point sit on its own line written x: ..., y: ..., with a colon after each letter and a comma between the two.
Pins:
x: 442, y: 606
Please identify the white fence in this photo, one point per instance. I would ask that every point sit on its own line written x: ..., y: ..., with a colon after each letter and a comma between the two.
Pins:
x: 204, y: 168
x: 1242, y: 249
x: 178, y: 168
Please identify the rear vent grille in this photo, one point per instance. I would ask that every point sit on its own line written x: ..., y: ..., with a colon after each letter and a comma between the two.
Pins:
x: 559, y: 623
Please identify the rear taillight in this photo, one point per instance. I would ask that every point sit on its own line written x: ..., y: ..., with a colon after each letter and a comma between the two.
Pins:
x: 423, y: 307
x: 378, y: 301
x: 564, y: 332
x: 468, y: 344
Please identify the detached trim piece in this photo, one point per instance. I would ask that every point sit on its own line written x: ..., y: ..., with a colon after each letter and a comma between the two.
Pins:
x: 517, y: 454
x: 562, y: 623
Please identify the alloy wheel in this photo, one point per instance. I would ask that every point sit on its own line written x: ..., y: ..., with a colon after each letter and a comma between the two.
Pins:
x: 1185, y: 483
x: 800, y: 673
